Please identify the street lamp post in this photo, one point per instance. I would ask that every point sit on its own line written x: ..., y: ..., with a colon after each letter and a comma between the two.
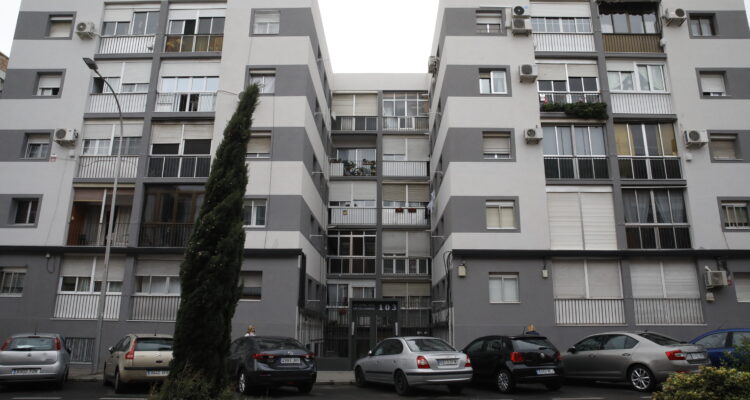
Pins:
x: 108, y: 244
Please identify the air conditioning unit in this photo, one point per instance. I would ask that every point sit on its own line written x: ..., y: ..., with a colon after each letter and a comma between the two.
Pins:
x: 433, y: 64
x: 86, y: 30
x: 532, y: 136
x: 696, y: 138
x: 528, y: 72
x: 519, y: 11
x: 521, y: 25
x: 676, y: 16
x: 716, y: 279
x: 65, y: 137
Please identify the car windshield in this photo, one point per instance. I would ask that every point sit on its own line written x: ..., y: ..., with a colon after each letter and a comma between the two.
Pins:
x: 153, y: 344
x: 428, y: 345
x: 661, y: 340
x: 531, y: 344
x: 265, y: 344
x: 32, y: 344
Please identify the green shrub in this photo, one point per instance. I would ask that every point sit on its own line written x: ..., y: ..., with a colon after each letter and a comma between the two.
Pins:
x: 710, y: 384
x: 189, y: 386
x: 740, y: 358
x: 579, y: 110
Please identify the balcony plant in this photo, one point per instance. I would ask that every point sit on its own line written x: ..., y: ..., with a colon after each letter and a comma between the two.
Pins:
x: 412, y: 210
x: 399, y: 210
x: 578, y: 110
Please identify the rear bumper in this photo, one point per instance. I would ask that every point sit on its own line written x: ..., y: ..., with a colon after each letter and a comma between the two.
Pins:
x: 141, y: 374
x: 418, y: 377
x: 50, y: 372
x: 527, y: 374
x: 291, y: 378
x: 663, y: 374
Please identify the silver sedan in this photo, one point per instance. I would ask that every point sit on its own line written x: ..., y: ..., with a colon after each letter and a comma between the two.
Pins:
x: 34, y: 357
x: 406, y: 362
x: 642, y: 359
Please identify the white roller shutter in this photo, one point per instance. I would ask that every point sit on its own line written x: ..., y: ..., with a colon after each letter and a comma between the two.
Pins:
x: 343, y: 105
x: 183, y: 14
x: 98, y: 131
x: 50, y: 80
x: 419, y: 244
x: 604, y: 279
x: 417, y: 149
x: 118, y: 14
x: 712, y: 82
x: 394, y: 289
x: 742, y: 286
x: 561, y: 9
x: 339, y: 191
x: 681, y: 280
x: 420, y: 193
x: 199, y: 131
x: 598, y: 221
x: 157, y: 267
x: 116, y: 269
x: 212, y: 12
x: 645, y: 277
x: 392, y: 145
x: 552, y: 72
x: 137, y: 72
x: 190, y: 68
x: 568, y: 280
x: 366, y: 105
x: 251, y: 278
x: 77, y: 266
x: 394, y: 242
x: 620, y: 66
x: 166, y: 133
x: 394, y: 192
x: 259, y: 143
x: 364, y: 191
x: 564, y: 221
x: 418, y: 289
x: 496, y: 143
x: 589, y: 70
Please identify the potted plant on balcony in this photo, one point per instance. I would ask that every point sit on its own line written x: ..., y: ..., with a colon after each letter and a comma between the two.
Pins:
x: 412, y: 210
x: 399, y: 210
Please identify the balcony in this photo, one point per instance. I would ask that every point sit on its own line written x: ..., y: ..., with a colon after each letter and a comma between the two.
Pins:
x: 658, y: 236
x: 561, y: 167
x: 193, y: 43
x: 417, y: 169
x: 353, y: 168
x: 155, y: 308
x: 85, y: 306
x: 668, y: 312
x: 406, y: 267
x: 352, y: 216
x: 185, y: 102
x: 632, y: 43
x: 126, y: 44
x: 179, y: 166
x: 165, y: 234
x: 564, y: 42
x: 355, y: 124
x: 642, y: 103
x: 105, y: 103
x: 96, y: 234
x: 351, y: 265
x: 406, y: 124
x: 659, y: 168
x: 589, y: 312
x: 405, y: 216
x: 548, y: 100
x: 104, y: 167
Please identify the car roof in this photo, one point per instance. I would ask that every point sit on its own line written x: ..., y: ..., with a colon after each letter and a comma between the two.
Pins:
x: 18, y: 335
x: 702, y: 335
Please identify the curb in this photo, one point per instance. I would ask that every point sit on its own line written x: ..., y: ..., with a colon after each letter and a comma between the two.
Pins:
x: 99, y: 379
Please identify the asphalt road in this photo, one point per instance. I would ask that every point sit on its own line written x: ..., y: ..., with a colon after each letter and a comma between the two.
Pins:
x: 95, y: 391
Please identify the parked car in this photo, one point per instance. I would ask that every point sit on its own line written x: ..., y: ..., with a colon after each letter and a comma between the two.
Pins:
x: 509, y: 360
x: 138, y: 358
x: 406, y: 362
x: 642, y: 359
x: 34, y: 358
x: 271, y: 361
x: 720, y: 342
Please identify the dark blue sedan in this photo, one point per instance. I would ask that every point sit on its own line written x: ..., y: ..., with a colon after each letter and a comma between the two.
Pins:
x: 720, y: 342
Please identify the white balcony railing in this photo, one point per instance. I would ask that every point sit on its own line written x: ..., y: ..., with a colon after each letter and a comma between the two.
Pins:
x: 85, y: 305
x: 155, y: 308
x: 405, y: 168
x: 668, y: 312
x: 642, y: 103
x: 352, y: 216
x: 104, y: 166
x: 126, y: 44
x: 564, y: 42
x: 185, y: 102
x: 404, y: 216
x: 589, y: 312
x: 105, y: 103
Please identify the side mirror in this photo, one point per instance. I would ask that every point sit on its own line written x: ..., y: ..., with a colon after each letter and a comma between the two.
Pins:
x: 369, y: 353
x: 572, y: 350
x: 111, y: 349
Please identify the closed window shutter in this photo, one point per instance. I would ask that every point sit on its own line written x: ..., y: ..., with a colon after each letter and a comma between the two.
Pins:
x: 507, y: 217
x: 343, y: 105
x: 77, y: 266
x: 195, y: 131
x: 645, y: 277
x: 417, y: 149
x: 564, y: 221
x: 568, y: 280
x: 497, y: 143
x: 723, y: 148
x: 552, y: 72
x: 493, y: 216
x: 364, y: 191
x: 339, y: 191
x: 252, y: 278
x: 742, y: 285
x: 137, y: 72
x: 496, y: 290
x: 604, y: 280
x: 392, y: 289
x: 418, y: 289
x: 394, y: 192
x: 492, y: 18
x: 259, y: 144
x: 680, y: 280
x: 586, y: 70
x: 116, y: 271
x: 51, y: 80
x: 366, y: 105
x: 166, y: 134
x: 713, y: 83
x: 394, y: 145
x: 419, y: 244
x: 598, y: 221
x: 394, y: 242
x: 264, y: 17
x: 419, y: 193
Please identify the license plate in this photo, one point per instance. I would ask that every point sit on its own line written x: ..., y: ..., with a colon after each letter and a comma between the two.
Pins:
x: 447, y: 361
x: 26, y: 371
x: 290, y: 360
x: 545, y: 371
x: 157, y: 373
x: 696, y: 356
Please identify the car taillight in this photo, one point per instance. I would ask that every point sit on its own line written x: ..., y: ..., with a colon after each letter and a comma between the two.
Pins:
x: 557, y: 356
x: 130, y: 355
x: 5, y: 344
x: 58, y: 345
x: 422, y: 362
x: 263, y: 357
x: 310, y: 356
x: 468, y: 361
x: 676, y: 355
x: 516, y: 357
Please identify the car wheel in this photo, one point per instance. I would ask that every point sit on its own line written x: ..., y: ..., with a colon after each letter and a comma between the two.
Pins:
x: 243, y: 385
x: 61, y: 382
x: 641, y: 378
x: 305, y: 388
x: 359, y: 377
x: 504, y: 381
x: 554, y: 386
x: 401, y: 384
x: 455, y: 389
x: 118, y: 384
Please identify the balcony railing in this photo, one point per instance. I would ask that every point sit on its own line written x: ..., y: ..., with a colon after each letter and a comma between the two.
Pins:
x: 179, y: 166
x: 96, y: 235
x: 353, y: 168
x: 658, y: 236
x: 105, y: 103
x: 642, y: 103
x: 85, y: 306
x: 650, y: 167
x: 564, y: 42
x: 400, y: 124
x: 668, y: 312
x: 347, y: 123
x: 185, y: 102
x: 560, y: 167
x: 405, y: 168
x: 193, y: 43
x: 126, y: 44
x: 158, y: 234
x: 630, y: 43
x: 589, y: 312
x: 352, y: 216
x: 546, y: 98
x: 405, y: 216
x: 155, y: 308
x: 104, y: 167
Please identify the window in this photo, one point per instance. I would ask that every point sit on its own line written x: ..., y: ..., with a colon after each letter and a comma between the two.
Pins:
x: 618, y: 342
x: 96, y: 147
x: 575, y: 140
x: 134, y: 88
x: 714, y: 341
x: 100, y: 86
x: 159, y: 285
x: 116, y: 28
x: 586, y: 279
x: 651, y: 78
x: 11, y: 281
x: 266, y: 81
x: 742, y: 286
x: 735, y: 214
x: 131, y: 146
x: 26, y: 211
x: 81, y: 284
x: 255, y: 212
x: 503, y: 288
x: 48, y: 84
x: 190, y: 35
x: 723, y: 147
x: 647, y: 140
x: 581, y: 220
x: 702, y: 25
x: 620, y: 80
x: 489, y: 21
x: 363, y: 292
x: 501, y: 214
x: 267, y: 22
x: 338, y: 295
x: 60, y: 26
x: 196, y: 146
x: 406, y: 253
x: 713, y: 84
x: 259, y: 145
x: 351, y: 252
x: 560, y: 25
x: 664, y: 279
x: 656, y: 218
x: 37, y: 147
x: 496, y: 145
x: 145, y: 23
x: 636, y: 19
x: 492, y: 82
x: 252, y: 283
x: 188, y: 84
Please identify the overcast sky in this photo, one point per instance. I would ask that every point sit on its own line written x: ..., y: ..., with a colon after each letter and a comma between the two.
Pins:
x: 362, y: 36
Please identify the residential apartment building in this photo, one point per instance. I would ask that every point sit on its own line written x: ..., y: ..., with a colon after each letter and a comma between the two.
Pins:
x: 3, y: 68
x: 576, y: 165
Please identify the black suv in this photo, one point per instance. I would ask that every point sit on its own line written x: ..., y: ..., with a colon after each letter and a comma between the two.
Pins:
x: 509, y: 360
x: 271, y: 361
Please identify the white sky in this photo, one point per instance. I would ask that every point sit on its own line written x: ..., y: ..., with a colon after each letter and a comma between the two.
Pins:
x: 362, y: 36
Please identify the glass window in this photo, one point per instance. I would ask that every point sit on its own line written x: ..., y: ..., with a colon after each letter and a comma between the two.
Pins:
x: 266, y: 81
x: 492, y: 82
x: 735, y: 214
x: 500, y: 215
x: 37, y: 147
x: 11, y: 281
x: 60, y: 26
x: 267, y: 22
x: 589, y: 344
x: 717, y: 340
x: 475, y: 346
x: 197, y: 146
x: 489, y: 21
x: 48, y: 84
x: 255, y: 212
x: 496, y: 145
x: 701, y: 25
x: 428, y: 345
x: 26, y: 211
x: 713, y: 84
x: 618, y: 342
x: 503, y: 288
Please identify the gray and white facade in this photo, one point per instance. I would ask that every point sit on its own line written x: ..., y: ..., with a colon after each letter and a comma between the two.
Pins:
x: 486, y: 195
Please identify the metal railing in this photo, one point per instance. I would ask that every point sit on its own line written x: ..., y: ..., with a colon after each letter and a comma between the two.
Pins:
x: 400, y: 124
x: 668, y: 311
x: 193, y: 43
x: 85, y: 305
x: 185, y: 102
x: 104, y: 166
x: 658, y: 236
x: 155, y: 308
x: 567, y: 98
x: 353, y: 168
x: 632, y: 43
x: 105, y: 103
x: 352, y: 216
x: 642, y: 103
x: 564, y: 42
x: 348, y: 123
x: 405, y: 216
x: 589, y: 311
x: 164, y: 234
x: 126, y: 44
x: 650, y: 167
x: 399, y: 267
x: 405, y: 168
x: 96, y: 235
x: 561, y: 167
x: 179, y: 166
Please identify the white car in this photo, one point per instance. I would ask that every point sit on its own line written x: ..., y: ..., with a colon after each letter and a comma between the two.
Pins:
x: 36, y: 357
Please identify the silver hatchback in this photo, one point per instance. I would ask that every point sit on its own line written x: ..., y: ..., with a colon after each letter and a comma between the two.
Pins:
x: 406, y: 362
x: 34, y: 357
x: 642, y: 359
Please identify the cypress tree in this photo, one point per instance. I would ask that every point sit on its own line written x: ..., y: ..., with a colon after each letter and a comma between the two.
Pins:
x: 209, y: 274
